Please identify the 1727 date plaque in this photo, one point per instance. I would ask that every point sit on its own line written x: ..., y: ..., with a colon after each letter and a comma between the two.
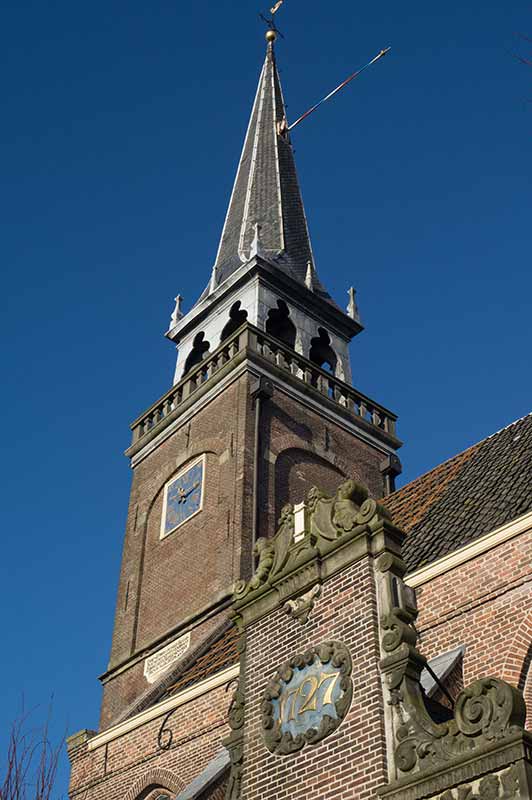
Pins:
x: 308, y: 698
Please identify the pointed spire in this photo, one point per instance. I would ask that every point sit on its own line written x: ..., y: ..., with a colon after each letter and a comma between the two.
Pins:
x: 266, y: 192
x: 177, y: 313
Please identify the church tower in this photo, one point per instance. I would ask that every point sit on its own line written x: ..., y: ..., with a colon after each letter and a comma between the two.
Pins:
x: 265, y: 645
x: 262, y: 408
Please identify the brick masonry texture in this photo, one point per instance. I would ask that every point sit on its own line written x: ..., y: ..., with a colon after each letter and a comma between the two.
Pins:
x: 216, y: 792
x: 350, y: 762
x: 303, y: 449
x: 163, y: 582
x: 486, y: 605
x: 116, y: 768
x: 128, y: 690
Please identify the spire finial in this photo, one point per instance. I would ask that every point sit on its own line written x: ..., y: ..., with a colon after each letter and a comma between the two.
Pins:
x: 309, y: 277
x: 256, y: 249
x: 177, y: 313
x: 273, y: 31
x: 352, y: 308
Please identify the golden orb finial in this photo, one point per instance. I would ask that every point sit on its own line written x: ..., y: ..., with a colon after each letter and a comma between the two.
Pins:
x: 271, y: 36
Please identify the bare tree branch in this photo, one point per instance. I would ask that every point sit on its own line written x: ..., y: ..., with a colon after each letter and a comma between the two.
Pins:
x: 31, y: 762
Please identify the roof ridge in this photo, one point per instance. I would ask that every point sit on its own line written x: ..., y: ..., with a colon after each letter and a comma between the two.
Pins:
x: 510, y: 425
x: 458, y: 455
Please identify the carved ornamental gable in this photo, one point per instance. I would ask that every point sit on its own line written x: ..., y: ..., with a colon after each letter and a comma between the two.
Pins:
x: 329, y: 522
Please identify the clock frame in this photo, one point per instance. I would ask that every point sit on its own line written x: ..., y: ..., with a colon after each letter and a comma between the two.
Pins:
x: 183, y: 497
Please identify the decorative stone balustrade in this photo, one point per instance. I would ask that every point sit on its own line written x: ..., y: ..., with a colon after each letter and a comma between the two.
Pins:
x: 249, y: 342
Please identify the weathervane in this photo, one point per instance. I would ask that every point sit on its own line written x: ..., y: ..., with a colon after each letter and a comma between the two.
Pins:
x: 273, y: 30
x: 271, y: 35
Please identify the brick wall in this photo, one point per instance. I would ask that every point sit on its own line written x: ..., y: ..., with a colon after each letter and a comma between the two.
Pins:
x: 486, y: 605
x: 164, y: 582
x: 133, y: 763
x: 125, y: 690
x: 349, y: 762
x: 304, y: 449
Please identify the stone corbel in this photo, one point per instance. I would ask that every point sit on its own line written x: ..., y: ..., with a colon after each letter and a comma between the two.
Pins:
x: 301, y: 607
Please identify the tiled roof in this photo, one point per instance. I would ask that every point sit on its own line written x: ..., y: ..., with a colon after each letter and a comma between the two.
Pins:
x: 222, y: 653
x: 470, y: 495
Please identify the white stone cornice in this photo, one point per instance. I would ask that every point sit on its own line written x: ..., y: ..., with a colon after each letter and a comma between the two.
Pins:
x: 469, y: 551
x: 280, y: 384
x: 179, y: 699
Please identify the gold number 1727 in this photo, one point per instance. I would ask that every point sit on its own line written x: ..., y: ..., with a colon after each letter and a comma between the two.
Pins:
x: 310, y: 695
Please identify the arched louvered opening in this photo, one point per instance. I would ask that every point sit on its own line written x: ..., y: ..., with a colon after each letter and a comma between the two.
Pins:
x: 200, y: 348
x: 237, y: 317
x: 321, y: 352
x: 280, y: 325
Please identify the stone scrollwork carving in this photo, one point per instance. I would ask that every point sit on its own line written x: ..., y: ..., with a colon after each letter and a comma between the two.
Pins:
x: 330, y: 520
x: 490, y: 708
x: 307, y: 699
x: 487, y: 712
x: 234, y: 743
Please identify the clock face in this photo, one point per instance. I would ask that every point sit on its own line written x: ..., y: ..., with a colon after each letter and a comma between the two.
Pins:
x: 183, y: 497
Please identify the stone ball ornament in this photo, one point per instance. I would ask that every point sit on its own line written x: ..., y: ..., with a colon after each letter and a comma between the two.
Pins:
x: 307, y: 699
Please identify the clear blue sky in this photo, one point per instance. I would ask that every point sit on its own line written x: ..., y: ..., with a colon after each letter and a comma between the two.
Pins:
x: 122, y: 125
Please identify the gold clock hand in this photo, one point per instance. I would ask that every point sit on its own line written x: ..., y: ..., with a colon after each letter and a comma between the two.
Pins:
x: 183, y: 493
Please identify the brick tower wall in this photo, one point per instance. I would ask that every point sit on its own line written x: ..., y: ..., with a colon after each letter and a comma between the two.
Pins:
x: 168, y: 586
x: 351, y: 761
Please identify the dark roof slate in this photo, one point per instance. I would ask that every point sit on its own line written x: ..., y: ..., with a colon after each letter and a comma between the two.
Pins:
x: 266, y: 193
x: 473, y: 493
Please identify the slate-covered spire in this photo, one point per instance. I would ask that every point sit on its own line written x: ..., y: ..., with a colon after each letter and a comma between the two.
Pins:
x: 266, y: 192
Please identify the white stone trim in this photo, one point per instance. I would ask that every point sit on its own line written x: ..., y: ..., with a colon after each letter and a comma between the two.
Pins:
x: 254, y: 369
x: 252, y: 166
x: 165, y: 706
x: 469, y: 551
